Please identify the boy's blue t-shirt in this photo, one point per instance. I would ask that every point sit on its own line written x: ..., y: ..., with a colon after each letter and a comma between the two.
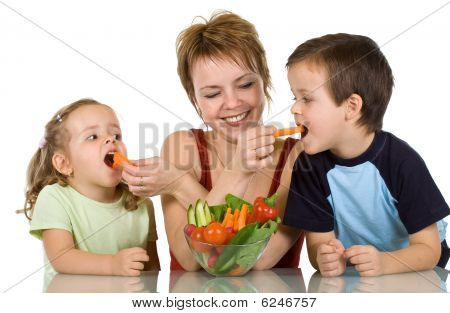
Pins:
x: 377, y: 198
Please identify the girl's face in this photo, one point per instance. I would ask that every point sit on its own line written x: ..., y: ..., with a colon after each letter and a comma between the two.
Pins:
x: 94, y: 132
x: 230, y: 97
x: 315, y: 109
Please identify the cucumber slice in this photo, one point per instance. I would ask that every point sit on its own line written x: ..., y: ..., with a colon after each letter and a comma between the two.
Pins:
x: 191, y: 216
x: 207, y: 213
x: 200, y: 214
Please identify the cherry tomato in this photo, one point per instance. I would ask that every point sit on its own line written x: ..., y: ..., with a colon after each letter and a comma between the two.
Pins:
x: 230, y: 234
x: 215, y: 234
x: 189, y: 229
x: 197, y: 234
x: 198, y: 240
x: 212, y: 260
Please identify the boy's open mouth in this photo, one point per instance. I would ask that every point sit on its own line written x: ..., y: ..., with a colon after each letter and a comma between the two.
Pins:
x: 304, y: 132
x: 109, y: 159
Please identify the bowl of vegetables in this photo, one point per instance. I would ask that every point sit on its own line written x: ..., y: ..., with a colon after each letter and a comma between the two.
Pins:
x: 228, y: 239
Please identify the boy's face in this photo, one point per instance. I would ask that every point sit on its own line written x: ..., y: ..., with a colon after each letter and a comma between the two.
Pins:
x: 94, y: 131
x: 314, y: 108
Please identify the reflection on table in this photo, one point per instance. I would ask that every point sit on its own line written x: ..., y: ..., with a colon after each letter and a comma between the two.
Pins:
x: 281, y: 280
x: 275, y: 280
x: 147, y: 282
x: 350, y: 281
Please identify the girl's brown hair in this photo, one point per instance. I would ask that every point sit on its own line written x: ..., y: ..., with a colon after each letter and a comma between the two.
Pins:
x: 225, y: 35
x: 41, y: 171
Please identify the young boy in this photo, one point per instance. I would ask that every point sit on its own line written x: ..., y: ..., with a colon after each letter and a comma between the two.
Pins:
x: 364, y: 196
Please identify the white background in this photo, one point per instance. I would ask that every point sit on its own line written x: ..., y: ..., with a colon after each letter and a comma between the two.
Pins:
x: 131, y: 47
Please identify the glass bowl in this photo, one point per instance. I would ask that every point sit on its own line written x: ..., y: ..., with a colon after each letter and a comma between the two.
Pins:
x: 226, y: 260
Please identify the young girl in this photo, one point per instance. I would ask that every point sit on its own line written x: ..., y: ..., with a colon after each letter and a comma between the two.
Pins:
x: 87, y: 218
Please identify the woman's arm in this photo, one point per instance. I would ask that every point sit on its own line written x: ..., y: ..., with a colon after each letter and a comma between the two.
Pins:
x: 175, y: 220
x: 180, y: 149
x: 233, y: 179
x: 65, y: 258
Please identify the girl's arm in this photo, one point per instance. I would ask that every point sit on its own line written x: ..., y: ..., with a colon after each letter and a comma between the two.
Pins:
x: 65, y: 258
x: 286, y: 236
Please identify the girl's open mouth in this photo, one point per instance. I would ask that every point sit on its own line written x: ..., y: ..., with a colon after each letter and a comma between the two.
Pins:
x: 109, y: 159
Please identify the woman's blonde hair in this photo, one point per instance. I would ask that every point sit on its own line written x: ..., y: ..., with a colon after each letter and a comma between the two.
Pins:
x: 225, y: 35
x: 41, y: 171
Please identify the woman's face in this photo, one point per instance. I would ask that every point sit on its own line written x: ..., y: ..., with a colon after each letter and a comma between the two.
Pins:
x: 229, y: 96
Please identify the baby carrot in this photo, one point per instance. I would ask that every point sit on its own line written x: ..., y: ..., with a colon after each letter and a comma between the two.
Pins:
x: 235, y: 220
x: 119, y: 159
x: 242, y: 216
x: 289, y: 131
x: 227, y: 217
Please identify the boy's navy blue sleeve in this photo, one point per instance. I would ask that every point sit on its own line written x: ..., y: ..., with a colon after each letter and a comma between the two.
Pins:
x: 420, y: 203
x: 307, y: 205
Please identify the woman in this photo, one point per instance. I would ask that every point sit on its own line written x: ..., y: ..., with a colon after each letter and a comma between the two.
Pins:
x: 223, y: 69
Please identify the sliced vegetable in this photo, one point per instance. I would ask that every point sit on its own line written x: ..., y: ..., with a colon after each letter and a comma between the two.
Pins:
x: 289, y: 131
x: 228, y: 215
x: 191, y: 216
x: 116, y: 160
x: 234, y: 202
x: 236, y: 214
x: 242, y: 216
x: 207, y: 213
x: 200, y: 214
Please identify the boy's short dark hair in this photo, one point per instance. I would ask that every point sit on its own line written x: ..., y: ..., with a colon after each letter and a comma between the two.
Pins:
x: 355, y: 64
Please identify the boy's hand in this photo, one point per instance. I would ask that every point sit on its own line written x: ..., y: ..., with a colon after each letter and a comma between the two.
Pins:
x: 128, y: 262
x: 330, y: 258
x: 367, y: 260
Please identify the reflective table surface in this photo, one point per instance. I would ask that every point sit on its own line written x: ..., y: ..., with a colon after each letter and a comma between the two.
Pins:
x: 270, y: 281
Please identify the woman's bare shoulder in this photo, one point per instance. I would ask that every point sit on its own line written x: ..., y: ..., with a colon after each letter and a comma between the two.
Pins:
x: 180, y: 148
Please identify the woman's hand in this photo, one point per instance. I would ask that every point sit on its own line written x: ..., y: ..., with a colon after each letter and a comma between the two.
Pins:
x: 152, y: 176
x: 254, y: 149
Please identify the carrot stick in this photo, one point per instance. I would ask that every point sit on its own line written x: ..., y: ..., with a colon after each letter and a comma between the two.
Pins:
x: 289, y: 131
x: 119, y: 159
x: 226, y: 218
x: 230, y: 222
x: 242, y: 216
x: 235, y: 219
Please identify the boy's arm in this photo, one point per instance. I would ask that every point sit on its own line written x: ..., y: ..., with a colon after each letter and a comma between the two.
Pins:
x: 313, y: 241
x: 422, y: 253
x: 152, y: 251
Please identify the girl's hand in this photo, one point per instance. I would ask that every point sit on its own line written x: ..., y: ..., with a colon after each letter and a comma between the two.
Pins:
x: 254, y: 149
x: 152, y: 176
x: 129, y: 262
x: 367, y: 260
x: 330, y: 258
